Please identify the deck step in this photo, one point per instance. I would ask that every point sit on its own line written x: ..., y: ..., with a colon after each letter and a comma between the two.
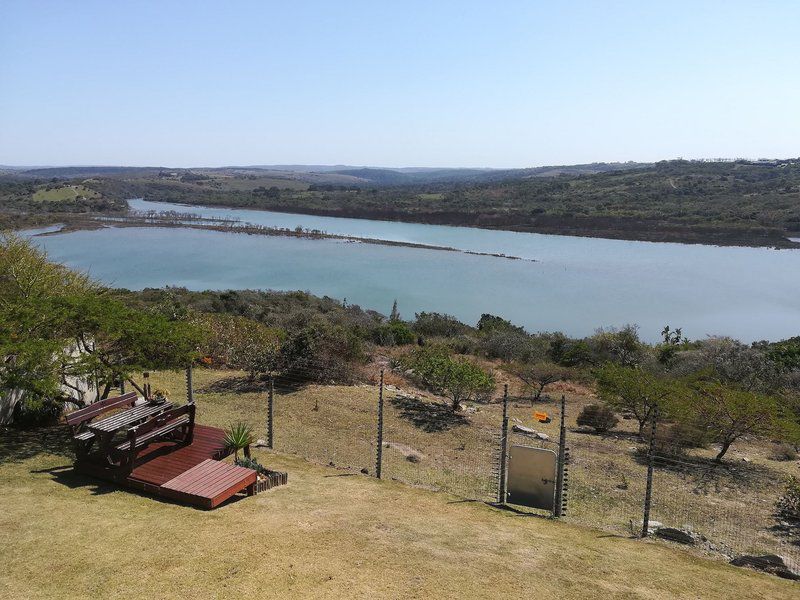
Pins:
x: 209, y: 483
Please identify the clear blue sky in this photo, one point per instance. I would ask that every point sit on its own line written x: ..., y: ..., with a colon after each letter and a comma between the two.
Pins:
x: 396, y: 83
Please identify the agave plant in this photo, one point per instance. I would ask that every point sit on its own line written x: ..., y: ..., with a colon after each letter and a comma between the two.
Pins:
x: 237, y: 437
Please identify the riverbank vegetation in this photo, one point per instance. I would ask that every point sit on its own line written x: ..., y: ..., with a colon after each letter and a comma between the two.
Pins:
x: 751, y: 203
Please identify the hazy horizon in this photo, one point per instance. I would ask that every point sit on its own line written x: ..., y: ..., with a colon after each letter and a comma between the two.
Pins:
x: 453, y: 84
x: 289, y: 166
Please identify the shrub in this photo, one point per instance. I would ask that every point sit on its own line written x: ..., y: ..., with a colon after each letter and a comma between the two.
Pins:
x: 788, y: 506
x: 394, y: 333
x: 783, y: 452
x: 36, y: 411
x: 569, y: 352
x: 251, y: 463
x: 672, y: 440
x: 439, y: 325
x: 599, y: 417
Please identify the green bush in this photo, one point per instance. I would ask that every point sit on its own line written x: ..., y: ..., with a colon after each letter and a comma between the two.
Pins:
x: 394, y: 333
x: 439, y: 325
x: 599, y: 417
x: 456, y: 377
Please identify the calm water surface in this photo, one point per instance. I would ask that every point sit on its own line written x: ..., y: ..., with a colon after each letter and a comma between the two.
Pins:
x: 575, y: 285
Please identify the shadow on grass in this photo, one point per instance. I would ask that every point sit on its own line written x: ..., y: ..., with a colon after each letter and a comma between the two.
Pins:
x: 243, y: 384
x: 429, y: 417
x: 67, y: 476
x: 21, y: 444
x: 518, y: 512
x: 238, y: 384
x: 708, y: 475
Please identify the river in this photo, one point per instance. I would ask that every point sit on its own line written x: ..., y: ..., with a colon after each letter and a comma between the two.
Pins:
x: 569, y: 284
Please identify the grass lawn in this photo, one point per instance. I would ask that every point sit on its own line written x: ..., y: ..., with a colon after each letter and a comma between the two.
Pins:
x: 329, y: 533
x: 67, y: 192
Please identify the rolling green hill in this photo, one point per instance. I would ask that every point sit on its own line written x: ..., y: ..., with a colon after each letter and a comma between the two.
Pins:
x: 754, y: 203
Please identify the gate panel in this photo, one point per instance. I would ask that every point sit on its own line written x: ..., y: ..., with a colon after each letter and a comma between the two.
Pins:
x: 532, y: 477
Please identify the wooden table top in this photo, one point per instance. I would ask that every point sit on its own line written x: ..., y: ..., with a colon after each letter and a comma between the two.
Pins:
x: 128, y: 417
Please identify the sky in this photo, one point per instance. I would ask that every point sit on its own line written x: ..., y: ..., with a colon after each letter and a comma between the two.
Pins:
x: 429, y: 83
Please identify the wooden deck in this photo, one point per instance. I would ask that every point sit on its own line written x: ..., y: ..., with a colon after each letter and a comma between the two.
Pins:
x: 170, y: 470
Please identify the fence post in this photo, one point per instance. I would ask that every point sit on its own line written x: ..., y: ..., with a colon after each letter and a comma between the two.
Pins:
x: 648, y: 494
x: 122, y: 386
x: 501, y: 484
x: 189, y: 386
x: 558, y: 508
x: 270, y: 412
x: 146, y: 386
x: 379, y: 454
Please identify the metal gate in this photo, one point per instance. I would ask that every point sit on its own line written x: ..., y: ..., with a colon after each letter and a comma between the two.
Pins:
x: 532, y: 477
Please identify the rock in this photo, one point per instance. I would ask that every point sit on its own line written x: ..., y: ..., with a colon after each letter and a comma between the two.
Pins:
x: 745, y: 459
x: 769, y: 563
x: 677, y: 535
x: 523, y: 429
x: 261, y: 444
x: 651, y: 525
x: 365, y: 471
x: 411, y: 454
x: 530, y: 432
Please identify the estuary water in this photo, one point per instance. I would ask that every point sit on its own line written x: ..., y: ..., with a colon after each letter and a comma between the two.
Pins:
x: 568, y: 284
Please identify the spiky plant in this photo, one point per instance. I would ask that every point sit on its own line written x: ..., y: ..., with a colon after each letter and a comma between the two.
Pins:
x: 237, y: 437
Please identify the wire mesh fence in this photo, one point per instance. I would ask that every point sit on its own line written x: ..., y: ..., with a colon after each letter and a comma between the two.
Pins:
x: 726, y: 509
x: 722, y: 510
x: 330, y: 426
x: 426, y: 444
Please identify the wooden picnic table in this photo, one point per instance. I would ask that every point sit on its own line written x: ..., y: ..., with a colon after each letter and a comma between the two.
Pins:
x: 105, y: 429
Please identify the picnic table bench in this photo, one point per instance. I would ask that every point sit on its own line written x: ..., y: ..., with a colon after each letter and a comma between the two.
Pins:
x: 176, y: 424
x: 104, y: 430
x: 80, y: 419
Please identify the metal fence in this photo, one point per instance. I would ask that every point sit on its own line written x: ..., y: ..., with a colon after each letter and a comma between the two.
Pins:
x: 721, y: 510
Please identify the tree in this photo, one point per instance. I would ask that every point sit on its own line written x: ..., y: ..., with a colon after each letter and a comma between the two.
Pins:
x: 33, y: 336
x: 786, y: 353
x: 727, y: 413
x: 57, y: 326
x: 635, y: 390
x: 668, y: 349
x: 114, y: 341
x: 731, y: 362
x: 621, y: 346
x: 537, y: 376
x: 395, y: 314
x: 242, y: 343
x: 458, y: 378
x: 597, y: 416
